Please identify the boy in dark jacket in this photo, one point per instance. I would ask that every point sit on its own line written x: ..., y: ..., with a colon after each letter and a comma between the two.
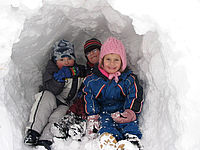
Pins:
x: 61, y: 81
x: 74, y: 123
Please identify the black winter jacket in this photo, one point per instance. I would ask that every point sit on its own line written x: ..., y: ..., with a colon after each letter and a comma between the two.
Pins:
x: 50, y: 84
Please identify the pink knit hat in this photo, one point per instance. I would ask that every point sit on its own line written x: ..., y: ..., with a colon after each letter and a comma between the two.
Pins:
x: 112, y: 45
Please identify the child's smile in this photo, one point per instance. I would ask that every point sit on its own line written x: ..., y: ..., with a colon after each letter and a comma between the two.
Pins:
x: 112, y: 63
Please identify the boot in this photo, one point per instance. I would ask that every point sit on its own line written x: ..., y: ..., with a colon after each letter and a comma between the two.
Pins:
x: 47, y: 144
x: 31, y: 137
x: 107, y: 141
x: 134, y: 140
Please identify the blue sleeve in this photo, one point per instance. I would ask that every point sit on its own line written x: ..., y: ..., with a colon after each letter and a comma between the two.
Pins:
x: 91, y: 104
x: 132, y: 100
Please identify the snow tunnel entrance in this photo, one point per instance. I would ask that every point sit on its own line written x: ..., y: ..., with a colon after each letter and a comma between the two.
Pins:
x: 77, y: 25
x: 31, y: 53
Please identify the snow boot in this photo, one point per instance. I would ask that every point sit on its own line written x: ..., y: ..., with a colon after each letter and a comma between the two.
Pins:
x: 107, y: 141
x: 126, y: 145
x: 134, y: 140
x: 47, y: 144
x: 31, y: 137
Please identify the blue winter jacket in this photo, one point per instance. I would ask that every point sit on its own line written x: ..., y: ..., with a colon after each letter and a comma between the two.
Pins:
x: 106, y: 96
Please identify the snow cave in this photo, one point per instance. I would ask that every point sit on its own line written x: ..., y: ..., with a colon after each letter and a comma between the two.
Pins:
x: 77, y: 24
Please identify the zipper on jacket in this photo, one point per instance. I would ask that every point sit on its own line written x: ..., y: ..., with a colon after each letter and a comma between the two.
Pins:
x: 110, y: 81
x: 93, y: 106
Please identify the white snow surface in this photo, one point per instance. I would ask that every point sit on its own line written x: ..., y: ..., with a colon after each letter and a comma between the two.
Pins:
x: 162, y: 43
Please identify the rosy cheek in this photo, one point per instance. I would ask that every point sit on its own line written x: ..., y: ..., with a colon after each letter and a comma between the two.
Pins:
x: 60, y: 65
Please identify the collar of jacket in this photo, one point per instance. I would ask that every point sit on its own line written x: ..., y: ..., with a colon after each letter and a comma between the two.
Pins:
x: 89, y: 64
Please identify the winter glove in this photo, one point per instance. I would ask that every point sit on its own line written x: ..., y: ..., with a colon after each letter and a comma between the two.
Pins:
x: 93, y: 126
x: 64, y: 72
x: 127, y: 116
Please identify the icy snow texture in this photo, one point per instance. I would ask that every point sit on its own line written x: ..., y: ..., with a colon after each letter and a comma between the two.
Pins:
x: 161, y: 42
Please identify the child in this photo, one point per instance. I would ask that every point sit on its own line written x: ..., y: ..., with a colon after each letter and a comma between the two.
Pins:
x: 61, y: 81
x: 92, y: 50
x: 111, y: 94
x: 74, y: 123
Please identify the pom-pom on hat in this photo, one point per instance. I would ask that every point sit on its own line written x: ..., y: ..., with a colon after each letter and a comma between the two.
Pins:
x: 115, y: 46
x: 63, y: 48
x: 91, y: 44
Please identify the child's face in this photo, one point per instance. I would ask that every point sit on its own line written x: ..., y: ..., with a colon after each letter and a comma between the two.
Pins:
x: 65, y: 61
x: 112, y: 63
x: 93, y: 56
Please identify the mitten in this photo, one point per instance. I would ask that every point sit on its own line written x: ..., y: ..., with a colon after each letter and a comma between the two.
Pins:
x: 74, y: 71
x: 63, y: 73
x: 93, y: 126
x: 127, y: 116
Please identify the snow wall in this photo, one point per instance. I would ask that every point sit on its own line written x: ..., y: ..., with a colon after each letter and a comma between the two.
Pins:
x: 39, y: 25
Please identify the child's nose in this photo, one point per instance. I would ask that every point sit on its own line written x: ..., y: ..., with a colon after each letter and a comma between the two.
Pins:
x: 111, y: 62
x: 66, y: 62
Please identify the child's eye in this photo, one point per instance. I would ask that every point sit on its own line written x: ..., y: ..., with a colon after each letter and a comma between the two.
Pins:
x: 61, y: 59
x: 117, y: 60
x: 108, y: 59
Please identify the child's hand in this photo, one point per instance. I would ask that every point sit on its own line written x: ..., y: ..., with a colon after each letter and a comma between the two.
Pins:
x: 127, y: 116
x: 115, y: 115
x: 67, y: 71
x: 63, y: 73
x: 93, y: 126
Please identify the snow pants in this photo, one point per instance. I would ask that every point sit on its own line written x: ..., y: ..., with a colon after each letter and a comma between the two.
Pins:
x: 44, y: 113
x: 118, y: 130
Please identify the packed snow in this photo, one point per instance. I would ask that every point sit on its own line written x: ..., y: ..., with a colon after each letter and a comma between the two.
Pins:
x: 162, y: 44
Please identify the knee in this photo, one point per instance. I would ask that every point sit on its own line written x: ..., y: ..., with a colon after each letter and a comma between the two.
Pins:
x: 132, y: 128
x: 58, y: 113
x: 48, y: 96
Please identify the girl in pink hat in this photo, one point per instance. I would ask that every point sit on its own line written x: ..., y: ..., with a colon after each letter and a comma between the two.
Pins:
x: 113, y: 95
